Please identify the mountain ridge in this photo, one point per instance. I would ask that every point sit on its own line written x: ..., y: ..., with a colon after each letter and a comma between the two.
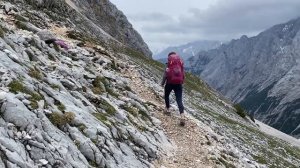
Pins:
x: 189, y: 49
x: 252, y: 71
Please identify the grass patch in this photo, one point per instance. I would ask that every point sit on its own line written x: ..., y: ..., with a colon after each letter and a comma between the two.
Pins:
x: 144, y: 114
x: 61, y: 120
x: 239, y: 110
x: 112, y: 92
x: 130, y: 109
x: 101, y: 117
x: 21, y: 25
x: 128, y: 88
x: 100, y: 85
x: 51, y: 57
x: 114, y: 65
x: 148, y: 103
x: 98, y: 81
x: 16, y: 86
x: 102, y: 103
x: 82, y: 127
x: 108, y: 108
x: 35, y: 73
x: 59, y: 105
x: 55, y: 87
x: 225, y: 163
x: 20, y: 18
x: 97, y: 90
x: 2, y: 33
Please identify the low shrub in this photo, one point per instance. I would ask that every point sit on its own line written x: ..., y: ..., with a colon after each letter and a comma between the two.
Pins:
x: 61, y: 120
x: 240, y: 111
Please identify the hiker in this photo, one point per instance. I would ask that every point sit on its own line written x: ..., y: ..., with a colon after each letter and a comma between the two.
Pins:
x: 172, y: 80
x: 59, y: 42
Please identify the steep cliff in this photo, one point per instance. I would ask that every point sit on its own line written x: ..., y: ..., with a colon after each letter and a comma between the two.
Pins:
x: 99, y: 19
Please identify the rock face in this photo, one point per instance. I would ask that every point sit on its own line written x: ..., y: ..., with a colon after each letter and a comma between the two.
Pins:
x: 105, y: 15
x: 98, y: 18
x: 261, y: 73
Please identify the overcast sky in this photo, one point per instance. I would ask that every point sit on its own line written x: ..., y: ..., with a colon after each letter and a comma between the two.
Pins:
x: 164, y: 23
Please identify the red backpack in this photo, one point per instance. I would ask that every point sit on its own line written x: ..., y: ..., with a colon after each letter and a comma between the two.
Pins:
x: 175, y: 72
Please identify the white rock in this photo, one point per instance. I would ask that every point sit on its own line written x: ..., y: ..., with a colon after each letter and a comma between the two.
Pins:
x: 43, y: 161
x: 28, y: 147
x: 26, y: 102
x: 27, y: 137
x: 2, y: 95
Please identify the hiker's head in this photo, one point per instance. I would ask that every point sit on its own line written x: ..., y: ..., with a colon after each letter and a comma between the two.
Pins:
x: 171, y: 53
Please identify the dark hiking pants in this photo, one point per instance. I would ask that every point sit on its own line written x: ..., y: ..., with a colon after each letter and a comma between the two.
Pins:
x: 178, y: 94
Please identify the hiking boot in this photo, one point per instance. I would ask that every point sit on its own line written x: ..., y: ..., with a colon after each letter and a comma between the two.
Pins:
x: 182, y: 120
x: 167, y: 112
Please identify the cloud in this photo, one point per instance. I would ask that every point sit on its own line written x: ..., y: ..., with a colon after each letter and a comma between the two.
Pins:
x: 237, y: 17
x: 150, y: 17
x: 225, y: 20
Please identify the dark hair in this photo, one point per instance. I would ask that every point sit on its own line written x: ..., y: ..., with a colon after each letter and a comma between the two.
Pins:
x: 171, y: 53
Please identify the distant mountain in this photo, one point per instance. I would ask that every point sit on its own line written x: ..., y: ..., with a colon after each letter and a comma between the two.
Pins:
x: 262, y: 73
x: 189, y: 49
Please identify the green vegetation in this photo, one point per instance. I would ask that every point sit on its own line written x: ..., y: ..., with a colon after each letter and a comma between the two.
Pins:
x: 77, y: 143
x: 135, y: 111
x: 225, y: 163
x: 112, y: 92
x: 54, y: 86
x: 109, y: 109
x: 98, y: 80
x: 51, y: 57
x: 35, y: 73
x: 114, y: 65
x: 16, y: 86
x: 101, y: 84
x: 100, y: 116
x: 144, y: 114
x: 20, y: 18
x: 128, y: 88
x: 59, y: 105
x: 93, y: 163
x: 21, y: 25
x: 2, y: 33
x: 81, y: 127
x: 61, y: 120
x: 34, y: 99
x: 97, y: 90
x: 103, y: 104
x: 139, y: 127
x: 239, y: 110
x: 148, y: 103
x: 130, y: 109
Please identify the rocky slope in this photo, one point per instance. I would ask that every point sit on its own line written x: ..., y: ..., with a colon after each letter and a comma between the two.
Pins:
x: 96, y: 19
x: 100, y: 105
x: 261, y: 73
x: 188, y: 50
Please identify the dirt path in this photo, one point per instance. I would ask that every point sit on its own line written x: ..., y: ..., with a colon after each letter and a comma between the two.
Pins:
x: 190, y: 144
